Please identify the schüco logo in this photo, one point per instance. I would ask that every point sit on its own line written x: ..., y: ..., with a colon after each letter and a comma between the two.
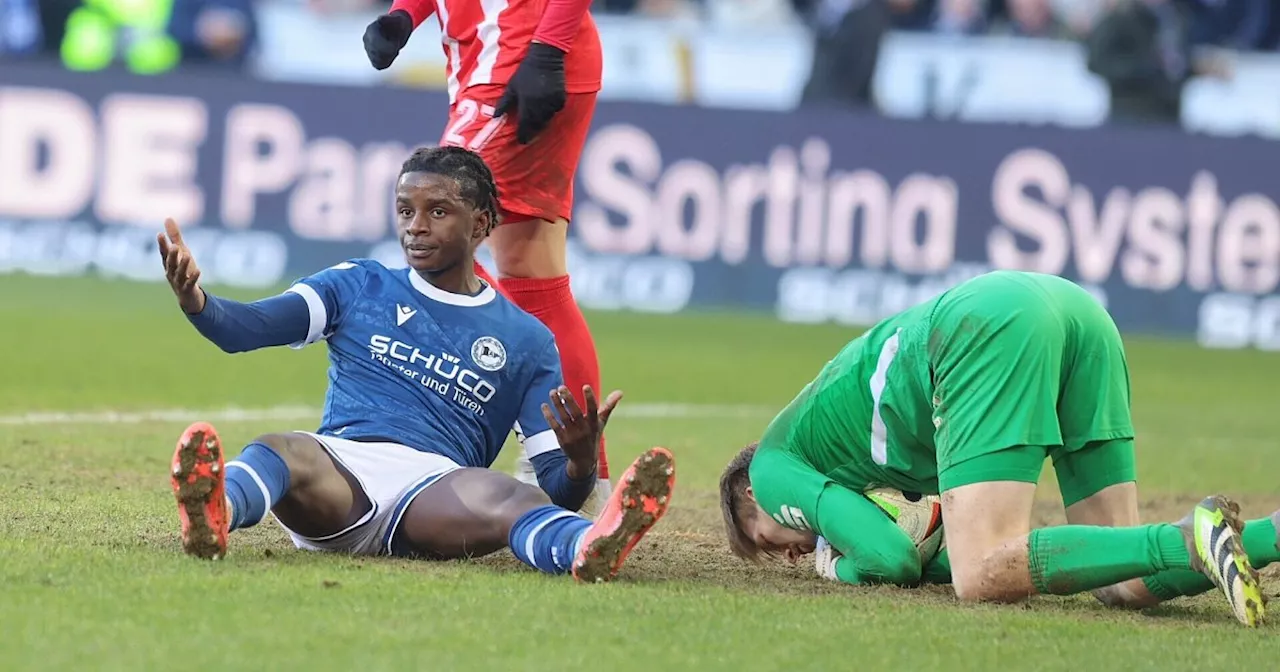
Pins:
x: 438, y: 370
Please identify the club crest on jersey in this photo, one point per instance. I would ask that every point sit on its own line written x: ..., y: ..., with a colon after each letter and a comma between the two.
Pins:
x: 488, y: 353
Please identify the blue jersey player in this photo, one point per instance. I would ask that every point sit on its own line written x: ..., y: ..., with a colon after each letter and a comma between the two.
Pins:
x: 429, y: 371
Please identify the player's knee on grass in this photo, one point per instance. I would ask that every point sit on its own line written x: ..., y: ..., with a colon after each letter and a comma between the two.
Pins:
x: 999, y: 574
x: 986, y: 534
x: 468, y: 513
x: 530, y: 248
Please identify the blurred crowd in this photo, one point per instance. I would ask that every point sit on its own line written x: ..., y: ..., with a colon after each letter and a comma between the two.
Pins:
x: 1144, y: 49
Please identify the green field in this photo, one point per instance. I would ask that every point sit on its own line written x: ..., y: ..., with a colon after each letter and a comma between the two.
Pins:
x: 92, y: 575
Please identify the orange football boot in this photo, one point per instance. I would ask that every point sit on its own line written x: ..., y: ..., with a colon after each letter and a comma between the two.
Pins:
x: 642, y: 497
x: 199, y: 485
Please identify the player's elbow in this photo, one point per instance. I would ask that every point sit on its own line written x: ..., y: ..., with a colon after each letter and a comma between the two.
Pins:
x: 233, y: 343
x: 232, y: 347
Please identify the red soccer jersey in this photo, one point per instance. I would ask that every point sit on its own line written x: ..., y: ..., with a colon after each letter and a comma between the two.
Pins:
x: 485, y: 40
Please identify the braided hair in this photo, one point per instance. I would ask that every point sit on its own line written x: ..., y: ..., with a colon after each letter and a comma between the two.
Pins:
x: 474, y: 178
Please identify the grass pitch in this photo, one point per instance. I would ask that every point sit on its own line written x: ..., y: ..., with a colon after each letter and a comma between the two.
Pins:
x: 96, y: 375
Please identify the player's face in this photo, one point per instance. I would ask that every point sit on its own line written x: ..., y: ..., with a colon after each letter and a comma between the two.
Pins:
x: 438, y: 228
x: 774, y: 539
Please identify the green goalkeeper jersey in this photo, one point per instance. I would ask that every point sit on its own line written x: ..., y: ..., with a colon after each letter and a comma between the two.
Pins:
x: 858, y: 426
x: 849, y: 430
x: 934, y: 397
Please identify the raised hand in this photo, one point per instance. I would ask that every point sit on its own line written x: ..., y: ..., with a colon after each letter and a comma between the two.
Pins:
x: 180, y: 268
x: 579, y: 433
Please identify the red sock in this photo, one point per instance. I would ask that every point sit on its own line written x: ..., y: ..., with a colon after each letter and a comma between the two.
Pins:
x: 484, y: 275
x: 551, y: 301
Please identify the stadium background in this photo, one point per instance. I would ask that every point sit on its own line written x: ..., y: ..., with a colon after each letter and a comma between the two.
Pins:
x: 701, y: 185
x: 730, y: 233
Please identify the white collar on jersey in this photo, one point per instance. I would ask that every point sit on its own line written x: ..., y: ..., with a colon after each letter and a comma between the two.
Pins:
x: 436, y: 294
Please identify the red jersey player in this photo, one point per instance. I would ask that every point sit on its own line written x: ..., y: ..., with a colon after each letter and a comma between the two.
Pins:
x: 523, y: 76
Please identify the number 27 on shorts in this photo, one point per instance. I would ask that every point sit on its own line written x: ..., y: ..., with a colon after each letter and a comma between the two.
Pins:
x: 471, y: 125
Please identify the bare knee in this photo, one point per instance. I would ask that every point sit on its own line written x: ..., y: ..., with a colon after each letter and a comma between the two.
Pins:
x: 987, y: 541
x: 977, y: 586
x: 518, y: 500
x: 505, y: 502
x: 301, y: 453
x: 997, y: 576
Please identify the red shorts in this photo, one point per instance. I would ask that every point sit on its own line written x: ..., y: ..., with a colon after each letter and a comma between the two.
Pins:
x: 535, y: 181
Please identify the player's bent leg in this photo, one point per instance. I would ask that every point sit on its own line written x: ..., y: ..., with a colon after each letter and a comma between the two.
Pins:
x: 467, y: 513
x: 986, y: 535
x: 1098, y: 484
x: 531, y: 259
x: 473, y: 512
x: 321, y: 497
x: 994, y: 557
x: 1115, y: 506
x: 1098, y: 487
x: 288, y: 473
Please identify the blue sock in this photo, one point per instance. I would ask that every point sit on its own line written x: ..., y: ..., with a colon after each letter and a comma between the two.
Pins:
x: 256, y: 480
x: 547, y: 537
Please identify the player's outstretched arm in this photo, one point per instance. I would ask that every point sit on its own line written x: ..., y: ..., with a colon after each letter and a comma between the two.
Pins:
x: 231, y: 325
x: 865, y: 544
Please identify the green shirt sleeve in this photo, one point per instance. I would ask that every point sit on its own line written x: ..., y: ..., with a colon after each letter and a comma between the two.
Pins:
x: 786, y: 488
x: 874, y: 549
x: 798, y: 496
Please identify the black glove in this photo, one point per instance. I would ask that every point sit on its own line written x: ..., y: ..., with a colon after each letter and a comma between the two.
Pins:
x: 536, y: 91
x: 386, y: 36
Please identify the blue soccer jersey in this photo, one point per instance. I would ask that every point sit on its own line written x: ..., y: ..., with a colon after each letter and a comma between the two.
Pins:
x: 440, y: 372
x: 413, y: 364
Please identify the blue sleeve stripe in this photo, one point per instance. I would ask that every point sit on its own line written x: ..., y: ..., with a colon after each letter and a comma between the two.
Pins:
x: 542, y: 442
x: 319, y: 315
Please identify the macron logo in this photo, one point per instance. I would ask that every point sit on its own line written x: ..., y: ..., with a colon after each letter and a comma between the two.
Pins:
x: 403, y: 313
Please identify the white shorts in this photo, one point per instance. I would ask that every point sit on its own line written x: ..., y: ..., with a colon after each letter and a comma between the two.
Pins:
x: 391, y: 476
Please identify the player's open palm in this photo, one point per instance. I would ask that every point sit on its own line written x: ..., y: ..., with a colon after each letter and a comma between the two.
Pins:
x: 180, y: 268
x: 579, y: 433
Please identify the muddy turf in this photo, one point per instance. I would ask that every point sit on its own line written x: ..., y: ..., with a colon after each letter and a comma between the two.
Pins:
x: 92, y: 575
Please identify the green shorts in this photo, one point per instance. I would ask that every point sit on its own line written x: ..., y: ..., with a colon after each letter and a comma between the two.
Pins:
x: 1029, y: 366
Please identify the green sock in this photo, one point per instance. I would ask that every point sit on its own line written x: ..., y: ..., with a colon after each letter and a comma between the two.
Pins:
x: 1075, y: 558
x: 1259, y: 541
x: 939, y: 569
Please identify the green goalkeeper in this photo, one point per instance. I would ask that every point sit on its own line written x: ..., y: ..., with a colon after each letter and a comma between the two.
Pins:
x: 965, y: 396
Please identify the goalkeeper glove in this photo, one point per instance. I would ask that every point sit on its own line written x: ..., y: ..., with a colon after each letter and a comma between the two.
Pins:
x: 386, y: 36
x: 536, y: 91
x: 825, y: 558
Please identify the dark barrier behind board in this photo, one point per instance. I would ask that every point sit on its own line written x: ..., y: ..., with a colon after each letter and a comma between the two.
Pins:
x: 816, y: 217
